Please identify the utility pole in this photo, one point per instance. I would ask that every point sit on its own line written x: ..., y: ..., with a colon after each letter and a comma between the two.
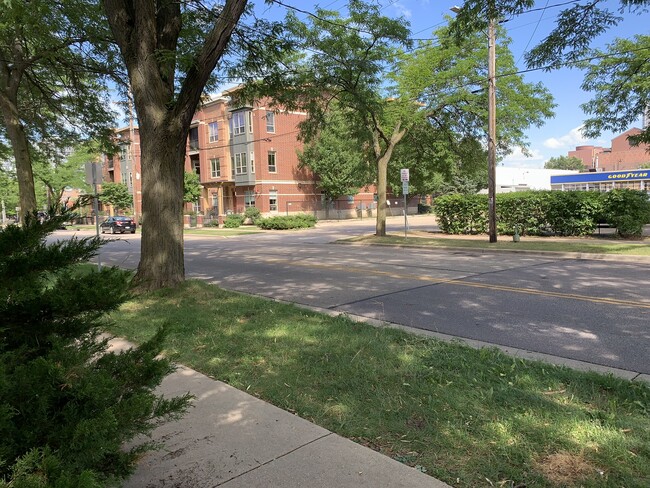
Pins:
x: 492, y: 131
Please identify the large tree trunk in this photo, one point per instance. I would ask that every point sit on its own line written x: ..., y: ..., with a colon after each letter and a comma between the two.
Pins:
x: 20, y: 145
x: 383, y: 158
x: 163, y: 156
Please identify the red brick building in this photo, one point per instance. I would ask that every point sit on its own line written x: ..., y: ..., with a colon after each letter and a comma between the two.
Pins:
x: 620, y: 156
x: 244, y: 156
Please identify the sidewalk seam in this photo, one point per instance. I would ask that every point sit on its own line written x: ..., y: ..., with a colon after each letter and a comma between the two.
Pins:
x: 274, y: 459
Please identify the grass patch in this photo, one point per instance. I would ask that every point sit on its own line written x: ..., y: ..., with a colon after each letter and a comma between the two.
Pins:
x: 505, y: 243
x: 469, y: 417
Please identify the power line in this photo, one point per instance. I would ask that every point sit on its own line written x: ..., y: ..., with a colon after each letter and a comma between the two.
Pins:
x: 533, y: 33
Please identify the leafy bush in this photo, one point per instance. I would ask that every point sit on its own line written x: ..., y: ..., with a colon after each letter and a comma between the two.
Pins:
x: 253, y: 213
x: 67, y: 405
x: 233, y: 221
x: 281, y: 222
x: 573, y: 213
x: 523, y: 211
x: 628, y: 211
x: 462, y: 213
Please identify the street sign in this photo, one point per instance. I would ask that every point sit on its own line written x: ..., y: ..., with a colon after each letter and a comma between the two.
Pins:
x: 405, y: 187
x: 404, y: 174
x: 93, y: 174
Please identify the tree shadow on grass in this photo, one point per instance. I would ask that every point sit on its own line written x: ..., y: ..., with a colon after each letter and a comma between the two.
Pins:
x: 455, y: 412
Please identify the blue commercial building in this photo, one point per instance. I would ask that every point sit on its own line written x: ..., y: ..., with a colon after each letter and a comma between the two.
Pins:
x: 635, y: 179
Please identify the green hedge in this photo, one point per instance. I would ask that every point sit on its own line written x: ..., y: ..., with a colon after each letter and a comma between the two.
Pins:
x: 281, y: 222
x: 572, y: 213
x: 628, y: 211
x: 233, y: 221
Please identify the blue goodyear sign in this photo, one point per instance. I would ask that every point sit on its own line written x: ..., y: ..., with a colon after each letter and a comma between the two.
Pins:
x: 637, y: 174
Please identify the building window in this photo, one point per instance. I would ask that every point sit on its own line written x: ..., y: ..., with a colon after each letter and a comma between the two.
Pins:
x: 232, y: 166
x: 237, y: 123
x: 215, y: 168
x: 252, y: 160
x: 124, y: 153
x: 250, y: 122
x: 272, y: 167
x: 270, y: 122
x: 213, y: 131
x: 241, y: 166
x: 249, y: 198
x: 273, y: 200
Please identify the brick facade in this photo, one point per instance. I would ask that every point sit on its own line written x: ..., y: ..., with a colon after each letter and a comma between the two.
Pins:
x: 620, y: 156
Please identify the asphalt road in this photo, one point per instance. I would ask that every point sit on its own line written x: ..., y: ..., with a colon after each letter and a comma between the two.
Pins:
x: 592, y: 311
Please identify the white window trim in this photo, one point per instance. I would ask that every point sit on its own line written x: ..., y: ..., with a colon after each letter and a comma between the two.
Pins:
x: 215, y: 170
x: 270, y: 117
x: 275, y: 161
x: 213, y: 136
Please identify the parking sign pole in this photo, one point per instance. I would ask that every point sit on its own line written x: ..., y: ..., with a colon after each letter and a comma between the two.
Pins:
x: 91, y: 174
x: 404, y: 176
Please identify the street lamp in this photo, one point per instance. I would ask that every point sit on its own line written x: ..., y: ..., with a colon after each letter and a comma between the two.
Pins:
x: 492, y: 127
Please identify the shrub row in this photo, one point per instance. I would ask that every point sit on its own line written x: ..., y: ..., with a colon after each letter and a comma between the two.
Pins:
x: 281, y: 222
x: 573, y: 213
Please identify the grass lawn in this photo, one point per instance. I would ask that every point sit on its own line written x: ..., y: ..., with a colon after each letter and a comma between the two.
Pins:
x: 469, y: 417
x: 596, y: 246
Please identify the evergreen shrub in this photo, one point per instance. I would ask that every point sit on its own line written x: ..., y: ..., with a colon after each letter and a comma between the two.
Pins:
x: 628, y: 211
x: 285, y: 222
x: 67, y: 405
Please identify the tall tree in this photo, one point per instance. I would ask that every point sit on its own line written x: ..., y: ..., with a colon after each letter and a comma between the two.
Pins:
x: 170, y: 50
x: 337, y: 158
x: 57, y: 170
x: 51, y: 91
x: 117, y: 195
x: 359, y: 64
x: 353, y: 56
x: 450, y: 81
x: 565, y: 162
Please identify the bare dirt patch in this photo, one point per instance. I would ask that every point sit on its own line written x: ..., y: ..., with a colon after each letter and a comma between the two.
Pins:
x: 566, y: 469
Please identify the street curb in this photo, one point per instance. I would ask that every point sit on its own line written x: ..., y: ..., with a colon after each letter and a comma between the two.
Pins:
x: 557, y: 254
x: 476, y: 344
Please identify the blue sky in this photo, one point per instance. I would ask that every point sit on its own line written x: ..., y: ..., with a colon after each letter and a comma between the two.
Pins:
x: 558, y: 135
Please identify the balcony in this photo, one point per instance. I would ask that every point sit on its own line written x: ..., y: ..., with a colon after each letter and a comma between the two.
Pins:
x: 194, y: 144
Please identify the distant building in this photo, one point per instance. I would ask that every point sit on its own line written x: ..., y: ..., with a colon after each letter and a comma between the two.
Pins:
x: 245, y: 156
x: 521, y: 179
x: 620, y: 156
x: 603, y: 181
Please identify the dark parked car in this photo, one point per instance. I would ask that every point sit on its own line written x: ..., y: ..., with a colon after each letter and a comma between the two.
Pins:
x: 118, y: 224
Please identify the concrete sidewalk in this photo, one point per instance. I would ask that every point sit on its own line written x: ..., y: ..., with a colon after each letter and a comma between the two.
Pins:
x: 233, y: 440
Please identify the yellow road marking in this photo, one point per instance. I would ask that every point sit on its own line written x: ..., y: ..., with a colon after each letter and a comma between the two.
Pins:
x: 451, y: 281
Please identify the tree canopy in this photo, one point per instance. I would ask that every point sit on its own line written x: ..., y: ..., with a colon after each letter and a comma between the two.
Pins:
x: 565, y: 162
x: 117, y: 195
x: 52, y: 81
x: 336, y: 158
x: 616, y: 75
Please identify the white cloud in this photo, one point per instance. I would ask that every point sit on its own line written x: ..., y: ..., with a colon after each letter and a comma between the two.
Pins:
x: 402, y: 10
x: 567, y: 141
x: 519, y: 160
